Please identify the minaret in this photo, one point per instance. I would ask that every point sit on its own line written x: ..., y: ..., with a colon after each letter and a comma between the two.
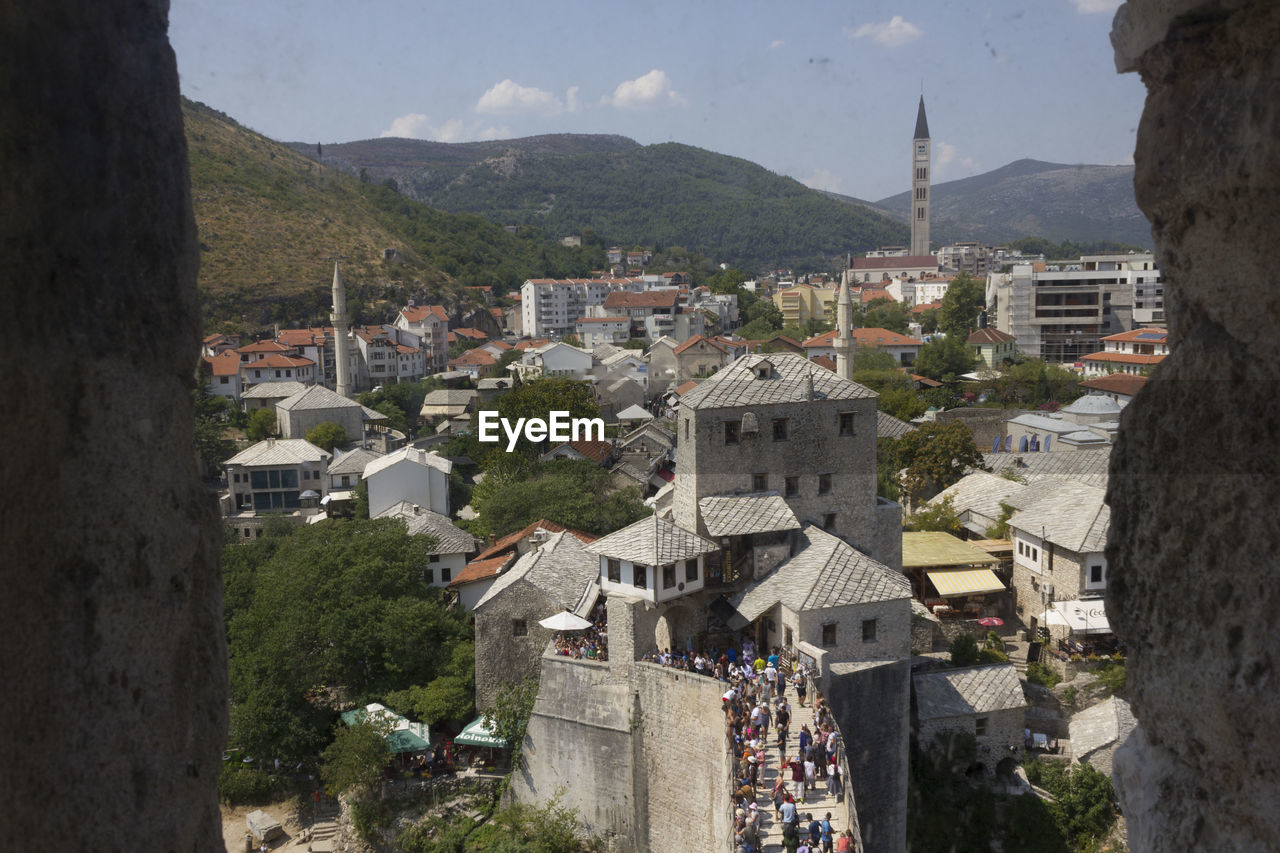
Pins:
x: 920, y: 185
x: 341, y: 329
x: 844, y: 341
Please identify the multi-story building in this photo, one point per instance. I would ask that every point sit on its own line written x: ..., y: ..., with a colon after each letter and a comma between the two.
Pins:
x: 1135, y: 352
x: 1063, y: 314
x: 552, y: 306
x: 969, y: 257
x: 803, y: 302
x: 272, y: 475
x: 593, y: 331
x: 431, y: 324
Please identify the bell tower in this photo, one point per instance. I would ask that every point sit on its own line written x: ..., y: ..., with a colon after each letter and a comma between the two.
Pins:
x: 920, y: 185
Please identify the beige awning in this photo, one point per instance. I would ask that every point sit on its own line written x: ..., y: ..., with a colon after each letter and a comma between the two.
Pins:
x: 965, y: 582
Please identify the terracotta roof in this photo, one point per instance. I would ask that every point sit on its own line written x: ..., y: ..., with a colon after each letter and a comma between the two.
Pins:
x: 1124, y: 357
x: 646, y: 299
x: 825, y: 361
x: 925, y: 306
x: 687, y: 387
x: 1146, y: 336
x: 479, y: 570
x: 280, y: 361
x: 214, y: 338
x: 418, y: 313
x: 264, y: 346
x: 1117, y: 383
x: 870, y: 337
x: 511, y: 539
x: 990, y: 335
x: 302, y: 337
x: 224, y: 364
x: 900, y: 262
x: 475, y: 356
x: 693, y: 341
x: 532, y: 344
x: 871, y: 294
x: 474, y: 334
x: 501, y: 345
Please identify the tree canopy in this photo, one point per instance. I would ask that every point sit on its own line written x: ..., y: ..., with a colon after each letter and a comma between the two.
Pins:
x: 963, y: 301
x: 262, y: 424
x: 934, y: 456
x: 943, y: 359
x: 320, y: 611
x: 327, y: 435
x: 576, y: 493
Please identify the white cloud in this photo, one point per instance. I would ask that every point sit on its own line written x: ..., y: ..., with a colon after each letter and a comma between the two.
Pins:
x: 947, y: 161
x: 571, y: 99
x: 776, y: 44
x: 419, y: 126
x: 824, y: 179
x: 651, y: 90
x: 1093, y: 7
x: 509, y: 97
x: 894, y: 32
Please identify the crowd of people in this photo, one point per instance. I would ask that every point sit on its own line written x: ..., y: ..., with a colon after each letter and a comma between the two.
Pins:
x: 590, y: 643
x: 756, y: 705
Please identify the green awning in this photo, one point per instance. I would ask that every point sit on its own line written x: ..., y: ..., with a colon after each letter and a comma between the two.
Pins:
x: 405, y: 736
x: 478, y: 734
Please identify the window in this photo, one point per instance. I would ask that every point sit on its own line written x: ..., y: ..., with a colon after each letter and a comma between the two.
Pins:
x: 846, y: 423
x: 614, y: 569
x: 759, y: 482
x: 429, y: 576
x: 828, y: 635
x: 691, y: 570
x: 433, y: 558
x: 1095, y: 574
x: 787, y: 637
x: 779, y: 429
x: 868, y: 630
x: 829, y: 521
x: 980, y: 727
x: 731, y: 431
x: 639, y: 576
x: 669, y: 576
x: 519, y: 628
x: 446, y: 575
x: 225, y: 379
x: 824, y: 483
x: 792, y: 486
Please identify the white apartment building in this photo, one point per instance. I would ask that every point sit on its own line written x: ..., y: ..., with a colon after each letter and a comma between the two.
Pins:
x: 551, y: 307
x: 1062, y: 314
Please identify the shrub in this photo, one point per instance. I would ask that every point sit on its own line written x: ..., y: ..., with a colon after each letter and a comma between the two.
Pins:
x: 964, y: 650
x: 992, y: 656
x: 1114, y: 676
x: 1069, y: 695
x: 239, y: 784
x: 1042, y: 675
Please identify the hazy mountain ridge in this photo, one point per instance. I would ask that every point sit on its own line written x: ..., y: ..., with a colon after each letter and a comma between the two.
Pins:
x: 1033, y: 198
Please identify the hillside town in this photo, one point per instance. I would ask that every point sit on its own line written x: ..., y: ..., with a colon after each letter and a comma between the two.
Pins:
x: 840, y: 550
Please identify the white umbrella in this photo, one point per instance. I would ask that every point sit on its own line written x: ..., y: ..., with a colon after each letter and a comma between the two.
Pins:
x: 565, y: 621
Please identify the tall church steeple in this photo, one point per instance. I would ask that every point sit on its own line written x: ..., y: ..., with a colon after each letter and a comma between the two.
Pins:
x: 920, y: 184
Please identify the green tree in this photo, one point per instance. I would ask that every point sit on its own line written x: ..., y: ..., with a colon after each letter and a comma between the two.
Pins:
x: 262, y: 424
x: 327, y: 435
x: 886, y: 314
x: 360, y: 501
x: 357, y: 756
x: 943, y: 359
x: 449, y: 697
x: 964, y: 650
x: 936, y: 455
x: 534, y: 399
x: 963, y: 301
x: 211, y: 416
x: 396, y: 418
x: 576, y: 493
x: 937, y: 516
x: 764, y: 309
x: 1000, y: 529
x: 509, y: 716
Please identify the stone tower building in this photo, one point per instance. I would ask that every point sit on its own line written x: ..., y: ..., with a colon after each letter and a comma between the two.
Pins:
x: 920, y: 185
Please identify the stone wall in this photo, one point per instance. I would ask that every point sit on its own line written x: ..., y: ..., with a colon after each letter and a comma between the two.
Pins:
x: 114, y: 671
x: 1193, y: 541
x: 985, y: 423
x: 500, y: 655
x: 872, y: 707
x: 893, y: 630
x: 1004, y: 730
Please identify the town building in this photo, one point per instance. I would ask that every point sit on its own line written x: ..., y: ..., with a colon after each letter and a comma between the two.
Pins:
x: 431, y: 324
x: 803, y: 302
x: 920, y: 165
x: 553, y: 306
x: 410, y: 474
x: 448, y: 555
x: 304, y: 411
x: 1135, y: 352
x: 992, y: 347
x: 986, y: 702
x: 904, y: 348
x: 1121, y: 387
x: 272, y: 476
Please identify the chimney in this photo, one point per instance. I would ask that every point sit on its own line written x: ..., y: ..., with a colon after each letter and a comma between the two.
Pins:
x: 417, y: 510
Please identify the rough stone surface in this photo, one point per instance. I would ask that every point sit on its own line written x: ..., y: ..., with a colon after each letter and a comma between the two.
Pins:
x: 114, y: 672
x: 1193, y: 539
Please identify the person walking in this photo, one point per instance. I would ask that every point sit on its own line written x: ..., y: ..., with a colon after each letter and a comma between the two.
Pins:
x: 797, y: 778
x: 827, y: 835
x: 802, y: 688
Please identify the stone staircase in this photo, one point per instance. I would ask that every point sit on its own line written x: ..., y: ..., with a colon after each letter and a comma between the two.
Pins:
x: 324, y: 833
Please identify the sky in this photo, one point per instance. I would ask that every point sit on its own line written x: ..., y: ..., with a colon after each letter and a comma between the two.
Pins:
x: 824, y: 92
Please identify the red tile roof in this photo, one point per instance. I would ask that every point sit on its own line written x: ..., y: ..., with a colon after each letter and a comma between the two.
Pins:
x: 479, y: 570
x: 925, y: 306
x: 825, y: 361
x: 1141, y: 336
x: 1124, y: 357
x: 276, y: 360
x: 478, y: 356
x: 533, y: 344
x: 681, y: 390
x: 990, y: 335
x: 473, y: 334
x: 418, y: 313
x: 224, y: 364
x: 302, y: 337
x: 596, y: 451
x: 511, y: 539
x: 901, y: 262
x: 1117, y: 383
x: 693, y: 342
x: 264, y: 346
x: 646, y: 299
x: 500, y: 345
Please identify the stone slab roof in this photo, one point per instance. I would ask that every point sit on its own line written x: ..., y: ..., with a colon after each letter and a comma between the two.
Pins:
x: 738, y: 384
x: 1093, y: 404
x: 1074, y: 516
x: 316, y: 397
x: 979, y: 492
x: 353, y: 462
x: 449, y: 539
x: 1088, y: 465
x: 561, y: 568
x: 412, y: 454
x: 1045, y: 423
x: 279, y: 451
x: 1097, y: 731
x: 737, y: 515
x: 825, y: 572
x: 273, y: 390
x: 887, y: 426
x: 969, y: 690
x: 449, y: 397
x: 652, y: 541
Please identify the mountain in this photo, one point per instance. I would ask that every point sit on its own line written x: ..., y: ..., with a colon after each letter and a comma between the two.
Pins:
x: 270, y: 222
x: 1031, y: 198
x: 723, y: 207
